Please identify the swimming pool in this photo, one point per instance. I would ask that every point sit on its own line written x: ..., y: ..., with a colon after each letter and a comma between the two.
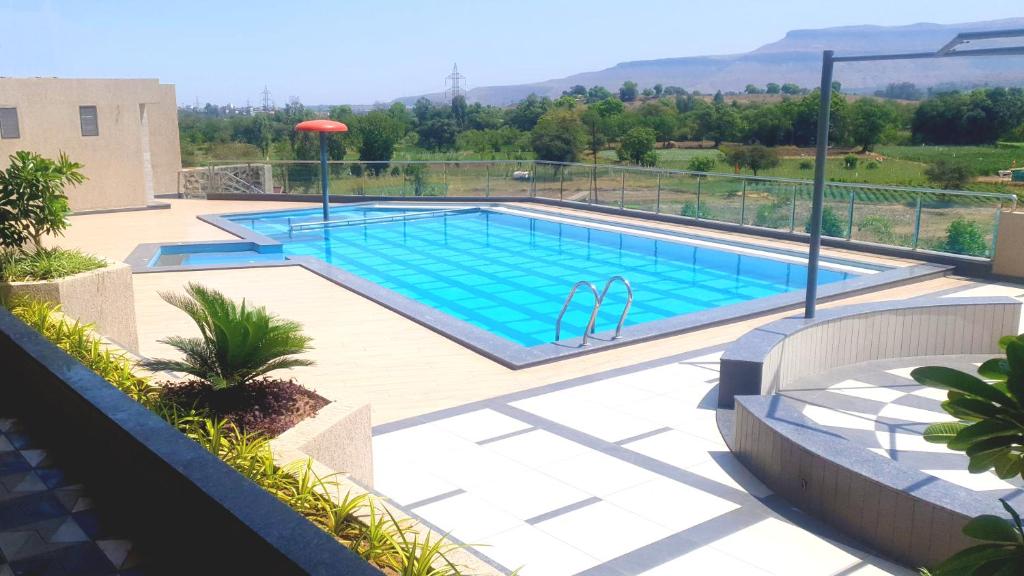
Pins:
x: 509, y: 273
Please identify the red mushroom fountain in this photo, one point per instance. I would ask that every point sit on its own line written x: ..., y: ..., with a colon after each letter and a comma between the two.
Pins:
x: 323, y: 127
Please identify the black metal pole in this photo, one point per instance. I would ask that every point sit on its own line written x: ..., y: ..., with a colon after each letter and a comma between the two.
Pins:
x: 820, y: 158
x: 324, y: 176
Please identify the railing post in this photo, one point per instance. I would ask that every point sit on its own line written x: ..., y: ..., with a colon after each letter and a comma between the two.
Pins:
x: 561, y: 182
x: 792, y: 210
x: 657, y: 198
x: 995, y: 231
x: 488, y: 189
x: 743, y: 204
x: 622, y: 192
x: 849, y: 215
x: 593, y: 184
x: 917, y: 222
x: 533, y: 181
x: 696, y: 213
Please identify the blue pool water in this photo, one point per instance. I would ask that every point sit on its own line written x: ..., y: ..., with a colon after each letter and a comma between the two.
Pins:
x: 510, y: 274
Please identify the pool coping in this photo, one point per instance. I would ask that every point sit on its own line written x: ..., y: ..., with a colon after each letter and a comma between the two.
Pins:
x: 501, y: 350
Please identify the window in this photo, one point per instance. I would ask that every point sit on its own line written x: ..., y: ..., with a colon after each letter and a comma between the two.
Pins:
x: 9, y: 123
x: 90, y: 123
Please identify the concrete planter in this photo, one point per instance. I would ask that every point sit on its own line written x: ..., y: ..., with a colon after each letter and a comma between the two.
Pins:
x: 103, y: 298
x: 337, y: 437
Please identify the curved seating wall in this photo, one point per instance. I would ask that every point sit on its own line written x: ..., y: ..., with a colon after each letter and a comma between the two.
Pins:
x: 901, y: 512
x: 772, y: 357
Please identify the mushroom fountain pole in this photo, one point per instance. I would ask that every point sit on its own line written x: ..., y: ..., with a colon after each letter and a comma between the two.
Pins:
x: 323, y: 127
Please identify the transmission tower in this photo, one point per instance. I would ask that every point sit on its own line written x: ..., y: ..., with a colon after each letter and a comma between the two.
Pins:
x: 266, y: 99
x: 454, y: 84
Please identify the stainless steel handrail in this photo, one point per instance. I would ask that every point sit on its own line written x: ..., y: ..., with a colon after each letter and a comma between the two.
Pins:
x: 378, y: 219
x: 625, y: 311
x: 593, y: 312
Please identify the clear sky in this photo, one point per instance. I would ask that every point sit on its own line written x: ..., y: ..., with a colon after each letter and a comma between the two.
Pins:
x: 343, y: 51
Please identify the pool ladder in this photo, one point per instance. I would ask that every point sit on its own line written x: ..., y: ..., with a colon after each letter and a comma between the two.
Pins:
x: 598, y: 300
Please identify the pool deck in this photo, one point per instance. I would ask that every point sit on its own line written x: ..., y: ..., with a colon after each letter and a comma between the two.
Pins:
x: 364, y: 352
x: 604, y: 464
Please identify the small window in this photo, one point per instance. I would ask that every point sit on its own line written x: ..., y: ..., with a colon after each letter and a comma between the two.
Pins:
x: 90, y: 123
x: 9, y: 123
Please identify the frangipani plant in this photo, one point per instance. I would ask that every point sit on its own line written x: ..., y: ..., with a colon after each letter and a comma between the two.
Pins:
x: 989, y: 429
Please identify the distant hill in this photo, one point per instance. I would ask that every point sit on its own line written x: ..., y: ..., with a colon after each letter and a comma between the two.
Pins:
x: 795, y: 58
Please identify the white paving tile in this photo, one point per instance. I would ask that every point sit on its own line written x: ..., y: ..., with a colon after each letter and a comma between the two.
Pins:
x: 782, y: 548
x: 676, y: 448
x: 480, y: 425
x: 977, y: 482
x: 403, y: 484
x: 867, y: 391
x: 903, y: 372
x: 535, y: 552
x: 937, y: 394
x: 409, y: 443
x: 536, y: 448
x: 911, y: 414
x: 839, y: 418
x: 603, y: 530
x: 468, y: 517
x: 671, y: 504
x: 528, y: 493
x: 588, y: 417
x: 725, y: 469
x: 597, y: 474
x: 706, y: 560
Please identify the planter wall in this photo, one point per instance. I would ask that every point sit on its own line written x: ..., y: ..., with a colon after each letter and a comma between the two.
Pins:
x: 103, y: 298
x: 338, y: 437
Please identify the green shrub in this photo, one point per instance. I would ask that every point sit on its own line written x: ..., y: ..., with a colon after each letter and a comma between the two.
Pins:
x: 948, y: 174
x: 238, y: 343
x: 872, y: 165
x: 690, y: 209
x: 45, y: 264
x: 850, y: 162
x: 777, y: 214
x: 701, y: 164
x: 831, y: 225
x: 964, y: 236
x: 806, y: 164
x: 358, y: 521
x: 32, y: 199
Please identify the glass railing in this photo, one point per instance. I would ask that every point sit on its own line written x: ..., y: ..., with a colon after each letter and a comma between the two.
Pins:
x: 953, y: 221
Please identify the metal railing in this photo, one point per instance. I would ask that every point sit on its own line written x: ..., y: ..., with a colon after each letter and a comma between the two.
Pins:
x: 908, y: 217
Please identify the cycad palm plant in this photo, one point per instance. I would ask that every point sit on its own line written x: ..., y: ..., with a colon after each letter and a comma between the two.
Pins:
x: 238, y: 343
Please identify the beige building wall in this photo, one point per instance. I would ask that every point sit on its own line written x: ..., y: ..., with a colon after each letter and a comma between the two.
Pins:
x: 136, y: 153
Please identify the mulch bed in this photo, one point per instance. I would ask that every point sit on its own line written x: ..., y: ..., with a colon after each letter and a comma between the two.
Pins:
x: 266, y: 405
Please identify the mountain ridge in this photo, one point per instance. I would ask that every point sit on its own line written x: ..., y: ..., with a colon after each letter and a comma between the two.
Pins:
x: 794, y: 58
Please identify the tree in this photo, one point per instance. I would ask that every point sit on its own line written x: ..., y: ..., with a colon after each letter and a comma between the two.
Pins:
x: 772, y: 88
x: 718, y: 98
x: 638, y: 143
x: 755, y: 157
x: 577, y: 90
x: 558, y: 136
x: 658, y: 90
x: 901, y: 91
x: 868, y: 119
x: 378, y: 134
x: 32, y: 199
x: 790, y: 88
x: 948, y: 174
x: 597, y: 94
x: 595, y: 125
x: 526, y: 114
x: 628, y: 91
x: 752, y: 89
x: 647, y: 92
x: 460, y: 112
x: 719, y: 123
